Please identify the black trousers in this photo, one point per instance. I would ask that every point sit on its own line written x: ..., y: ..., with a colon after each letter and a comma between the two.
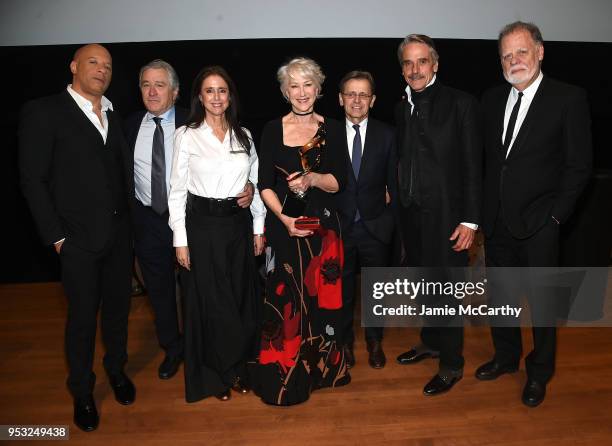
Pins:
x: 361, y: 249
x: 541, y: 249
x: 421, y: 252
x: 153, y: 246
x: 92, y: 281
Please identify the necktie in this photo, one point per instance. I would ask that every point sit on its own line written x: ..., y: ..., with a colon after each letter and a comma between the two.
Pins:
x: 356, y: 158
x: 159, y: 196
x: 511, y: 124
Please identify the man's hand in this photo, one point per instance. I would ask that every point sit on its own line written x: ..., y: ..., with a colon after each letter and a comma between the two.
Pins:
x: 464, y: 237
x: 182, y: 256
x: 258, y: 243
x: 246, y: 196
x: 58, y: 246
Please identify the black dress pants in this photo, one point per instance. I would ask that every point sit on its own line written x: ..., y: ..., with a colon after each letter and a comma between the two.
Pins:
x: 539, y: 250
x: 422, y: 252
x: 361, y: 249
x: 97, y: 280
x: 153, y: 246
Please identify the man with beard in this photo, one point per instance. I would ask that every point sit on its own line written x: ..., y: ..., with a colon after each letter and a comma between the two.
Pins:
x: 439, y: 189
x: 538, y: 161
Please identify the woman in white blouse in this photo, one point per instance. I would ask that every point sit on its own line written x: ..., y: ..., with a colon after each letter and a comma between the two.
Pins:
x: 215, y: 238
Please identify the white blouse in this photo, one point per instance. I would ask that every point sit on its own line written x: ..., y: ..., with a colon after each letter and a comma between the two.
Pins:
x: 207, y: 167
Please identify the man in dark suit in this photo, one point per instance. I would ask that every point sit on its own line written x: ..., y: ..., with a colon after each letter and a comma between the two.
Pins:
x: 367, y: 220
x: 76, y: 174
x: 150, y: 135
x: 440, y: 149
x: 538, y: 161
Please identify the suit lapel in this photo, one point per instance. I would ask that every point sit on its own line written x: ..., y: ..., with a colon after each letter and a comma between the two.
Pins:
x: 532, y: 114
x: 498, y: 119
x: 78, y: 116
x: 368, y: 146
x: 347, y: 157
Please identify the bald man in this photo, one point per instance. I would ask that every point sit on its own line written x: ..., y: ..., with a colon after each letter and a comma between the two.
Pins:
x: 76, y: 174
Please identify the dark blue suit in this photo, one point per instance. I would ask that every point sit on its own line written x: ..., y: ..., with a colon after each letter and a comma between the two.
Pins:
x: 155, y: 253
x: 367, y: 240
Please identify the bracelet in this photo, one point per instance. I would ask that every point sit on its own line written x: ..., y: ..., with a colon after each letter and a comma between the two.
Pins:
x: 556, y: 221
x: 258, y: 235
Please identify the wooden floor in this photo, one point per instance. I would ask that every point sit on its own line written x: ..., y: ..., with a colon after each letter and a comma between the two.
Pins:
x: 378, y: 407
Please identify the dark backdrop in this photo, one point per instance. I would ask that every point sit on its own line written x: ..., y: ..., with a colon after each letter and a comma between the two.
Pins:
x: 471, y: 65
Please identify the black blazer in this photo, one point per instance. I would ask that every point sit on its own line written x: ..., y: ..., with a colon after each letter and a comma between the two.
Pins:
x: 67, y: 169
x: 451, y: 175
x: 132, y: 123
x: 377, y: 174
x: 549, y: 163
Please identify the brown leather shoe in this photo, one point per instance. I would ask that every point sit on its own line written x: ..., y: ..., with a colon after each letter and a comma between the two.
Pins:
x: 376, y: 355
x: 349, y: 356
x: 226, y: 395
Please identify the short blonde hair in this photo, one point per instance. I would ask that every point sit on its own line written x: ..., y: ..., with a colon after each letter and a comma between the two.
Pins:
x: 303, y: 66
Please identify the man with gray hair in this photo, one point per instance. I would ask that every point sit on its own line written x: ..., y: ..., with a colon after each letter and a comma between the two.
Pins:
x: 439, y: 174
x: 537, y: 163
x: 150, y: 135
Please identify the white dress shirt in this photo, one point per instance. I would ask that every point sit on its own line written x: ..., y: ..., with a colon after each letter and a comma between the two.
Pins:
x: 528, y: 94
x: 350, y: 135
x: 207, y: 167
x: 87, y: 107
x: 143, y: 153
x: 472, y: 226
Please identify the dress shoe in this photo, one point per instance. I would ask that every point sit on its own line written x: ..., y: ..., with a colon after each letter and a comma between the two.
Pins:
x: 124, y: 389
x: 349, y: 356
x: 226, y: 395
x: 376, y: 354
x: 493, y: 370
x: 240, y: 386
x: 169, y: 366
x: 533, y: 393
x: 85, y: 413
x: 417, y: 354
x: 440, y: 384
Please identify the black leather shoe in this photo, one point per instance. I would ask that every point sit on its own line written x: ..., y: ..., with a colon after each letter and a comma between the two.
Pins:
x: 533, y: 393
x: 376, y: 357
x: 85, y: 413
x: 240, y: 386
x: 169, y: 366
x: 493, y: 370
x: 440, y: 384
x: 413, y: 356
x: 124, y: 389
x: 226, y: 395
x: 349, y: 356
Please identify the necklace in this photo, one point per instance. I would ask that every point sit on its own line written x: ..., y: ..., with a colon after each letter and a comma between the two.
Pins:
x: 302, y: 114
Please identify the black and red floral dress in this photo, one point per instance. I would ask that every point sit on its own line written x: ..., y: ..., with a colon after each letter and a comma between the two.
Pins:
x: 299, y: 350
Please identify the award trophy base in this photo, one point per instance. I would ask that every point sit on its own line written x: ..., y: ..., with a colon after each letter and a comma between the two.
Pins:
x: 293, y: 205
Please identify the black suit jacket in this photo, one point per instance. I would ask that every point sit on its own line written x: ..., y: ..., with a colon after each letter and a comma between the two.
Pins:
x: 549, y: 163
x: 65, y: 171
x: 451, y: 175
x: 377, y: 174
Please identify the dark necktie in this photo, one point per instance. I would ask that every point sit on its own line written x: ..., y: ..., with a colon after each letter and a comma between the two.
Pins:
x: 159, y: 196
x: 511, y: 124
x: 356, y: 159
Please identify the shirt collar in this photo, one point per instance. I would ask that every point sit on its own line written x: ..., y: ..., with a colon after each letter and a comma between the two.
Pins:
x: 529, y: 92
x: 362, y: 125
x: 167, y: 116
x: 409, y: 91
x: 86, y: 103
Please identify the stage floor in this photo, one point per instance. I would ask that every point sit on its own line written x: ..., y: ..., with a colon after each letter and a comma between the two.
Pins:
x: 378, y: 407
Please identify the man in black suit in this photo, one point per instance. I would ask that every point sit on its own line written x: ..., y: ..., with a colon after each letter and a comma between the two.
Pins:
x: 439, y: 174
x: 76, y: 174
x: 538, y: 161
x: 364, y: 205
x: 150, y: 135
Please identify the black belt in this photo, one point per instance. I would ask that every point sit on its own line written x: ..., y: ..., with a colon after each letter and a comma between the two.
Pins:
x: 217, y: 207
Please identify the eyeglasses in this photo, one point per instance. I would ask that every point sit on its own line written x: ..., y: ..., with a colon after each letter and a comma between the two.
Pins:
x: 354, y: 95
